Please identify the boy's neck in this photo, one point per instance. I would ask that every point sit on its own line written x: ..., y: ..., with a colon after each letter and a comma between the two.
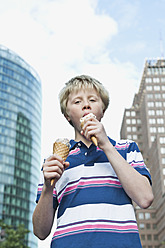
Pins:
x: 79, y: 137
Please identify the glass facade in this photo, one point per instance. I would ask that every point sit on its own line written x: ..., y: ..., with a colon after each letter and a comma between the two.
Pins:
x: 20, y: 140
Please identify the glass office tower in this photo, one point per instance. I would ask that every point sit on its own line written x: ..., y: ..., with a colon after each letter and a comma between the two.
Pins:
x: 20, y: 140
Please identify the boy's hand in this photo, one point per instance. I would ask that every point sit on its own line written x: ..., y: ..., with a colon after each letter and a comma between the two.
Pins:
x: 53, y: 168
x: 93, y: 127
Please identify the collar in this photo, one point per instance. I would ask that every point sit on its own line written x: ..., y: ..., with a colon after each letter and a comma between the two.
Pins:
x: 74, y: 143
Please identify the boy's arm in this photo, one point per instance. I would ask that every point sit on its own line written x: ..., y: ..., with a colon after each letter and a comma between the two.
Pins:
x: 135, y: 185
x: 44, y: 212
x: 43, y: 215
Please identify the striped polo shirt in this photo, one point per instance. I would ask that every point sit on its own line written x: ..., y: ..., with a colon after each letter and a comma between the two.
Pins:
x: 93, y: 209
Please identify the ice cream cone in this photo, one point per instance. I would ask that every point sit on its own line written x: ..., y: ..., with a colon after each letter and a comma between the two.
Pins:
x: 61, y: 148
x: 93, y: 138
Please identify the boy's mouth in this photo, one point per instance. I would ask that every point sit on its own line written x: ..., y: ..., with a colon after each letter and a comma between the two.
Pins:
x: 85, y: 114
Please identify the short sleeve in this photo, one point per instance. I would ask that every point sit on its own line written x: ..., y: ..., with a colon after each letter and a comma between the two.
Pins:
x: 39, y: 191
x: 135, y: 159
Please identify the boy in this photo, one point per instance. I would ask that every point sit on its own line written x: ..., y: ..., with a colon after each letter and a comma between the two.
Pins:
x: 94, y: 188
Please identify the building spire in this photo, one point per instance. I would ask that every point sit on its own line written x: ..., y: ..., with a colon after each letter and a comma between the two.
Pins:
x: 161, y: 46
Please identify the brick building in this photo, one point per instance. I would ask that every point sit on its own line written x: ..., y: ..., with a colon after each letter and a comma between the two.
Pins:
x: 144, y: 123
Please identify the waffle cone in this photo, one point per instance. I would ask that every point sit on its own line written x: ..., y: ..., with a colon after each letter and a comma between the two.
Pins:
x: 61, y: 150
x: 94, y: 140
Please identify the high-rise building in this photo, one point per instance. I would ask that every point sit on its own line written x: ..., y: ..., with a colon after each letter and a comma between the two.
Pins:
x: 20, y: 140
x: 144, y: 122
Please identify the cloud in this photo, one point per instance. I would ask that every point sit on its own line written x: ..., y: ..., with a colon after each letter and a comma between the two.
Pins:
x: 61, y: 39
x: 57, y: 33
x: 76, y: 32
x: 128, y: 13
x: 22, y: 34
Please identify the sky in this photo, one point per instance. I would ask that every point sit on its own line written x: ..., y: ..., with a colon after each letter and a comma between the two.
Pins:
x: 106, y: 39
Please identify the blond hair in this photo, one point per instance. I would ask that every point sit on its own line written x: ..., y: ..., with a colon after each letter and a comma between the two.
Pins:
x: 82, y: 82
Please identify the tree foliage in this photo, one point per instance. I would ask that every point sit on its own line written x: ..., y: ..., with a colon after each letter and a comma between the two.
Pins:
x: 12, y: 237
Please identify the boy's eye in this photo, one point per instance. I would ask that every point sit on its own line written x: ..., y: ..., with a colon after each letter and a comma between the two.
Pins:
x: 92, y: 100
x: 77, y: 101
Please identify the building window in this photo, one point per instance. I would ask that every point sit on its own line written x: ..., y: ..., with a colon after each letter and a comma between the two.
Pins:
x: 151, y: 112
x: 128, y: 129
x: 156, y: 80
x: 162, y: 140
x: 148, y: 226
x: 154, y: 226
x: 148, y: 80
x: 158, y: 104
x: 139, y: 129
x: 155, y: 237
x: 141, y: 216
x: 134, y: 137
x: 162, y: 79
x: 163, y: 160
x: 149, y: 96
x: 161, y: 129
x: 163, y: 87
x: 150, y: 104
x: 141, y: 226
x: 128, y: 121
x: 149, y: 237
x: 152, y: 121
x: 147, y: 216
x: 163, y: 171
x: 162, y: 150
x: 157, y: 96
x: 153, y: 129
x: 133, y: 129
x: 149, y: 88
x: 157, y: 88
x: 156, y: 71
x: 133, y: 121
x: 159, y: 112
x: 133, y: 113
x: 127, y: 113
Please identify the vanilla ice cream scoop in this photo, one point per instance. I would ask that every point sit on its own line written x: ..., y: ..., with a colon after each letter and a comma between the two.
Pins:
x: 82, y: 120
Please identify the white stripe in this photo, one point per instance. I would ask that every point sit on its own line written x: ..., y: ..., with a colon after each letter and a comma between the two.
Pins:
x: 41, y: 181
x: 74, y: 174
x: 97, y: 211
x: 126, y: 141
x: 137, y: 156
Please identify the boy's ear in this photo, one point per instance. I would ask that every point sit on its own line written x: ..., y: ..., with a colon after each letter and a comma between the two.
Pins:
x: 67, y: 117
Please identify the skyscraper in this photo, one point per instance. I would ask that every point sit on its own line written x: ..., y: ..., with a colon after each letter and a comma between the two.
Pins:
x: 20, y: 140
x: 144, y: 122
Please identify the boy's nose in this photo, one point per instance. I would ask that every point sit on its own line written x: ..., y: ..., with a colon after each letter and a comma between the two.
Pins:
x: 86, y: 106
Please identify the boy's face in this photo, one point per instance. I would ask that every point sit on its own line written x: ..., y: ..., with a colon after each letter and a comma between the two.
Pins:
x: 81, y: 103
